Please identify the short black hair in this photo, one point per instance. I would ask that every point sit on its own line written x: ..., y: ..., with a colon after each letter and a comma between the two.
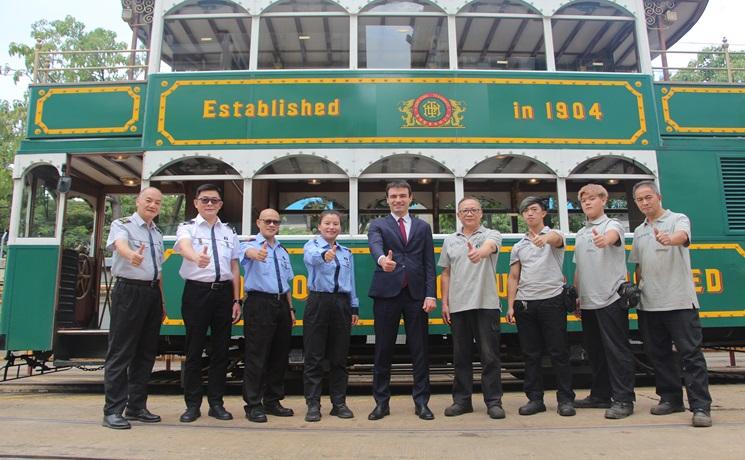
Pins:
x: 531, y: 200
x: 329, y: 212
x: 208, y: 188
x: 397, y: 184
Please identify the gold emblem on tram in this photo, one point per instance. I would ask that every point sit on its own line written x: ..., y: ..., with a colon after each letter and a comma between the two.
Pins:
x: 432, y: 110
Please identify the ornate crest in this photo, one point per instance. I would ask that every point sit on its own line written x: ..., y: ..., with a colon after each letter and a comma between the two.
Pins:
x: 432, y: 110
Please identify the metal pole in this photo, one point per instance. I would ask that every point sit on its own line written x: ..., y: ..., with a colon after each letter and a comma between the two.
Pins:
x: 37, y: 75
x: 727, y: 61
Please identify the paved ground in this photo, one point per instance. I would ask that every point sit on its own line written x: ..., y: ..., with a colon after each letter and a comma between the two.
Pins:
x: 37, y: 420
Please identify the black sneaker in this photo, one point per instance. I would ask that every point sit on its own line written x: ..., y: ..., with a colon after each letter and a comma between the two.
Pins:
x: 566, y: 409
x: 591, y: 402
x: 666, y: 408
x: 619, y: 410
x: 701, y: 418
x: 532, y: 407
x: 341, y: 411
x: 314, y: 413
x: 456, y: 409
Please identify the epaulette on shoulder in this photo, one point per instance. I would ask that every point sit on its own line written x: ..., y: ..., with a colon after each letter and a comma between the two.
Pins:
x: 232, y: 228
x: 124, y: 220
x: 188, y: 222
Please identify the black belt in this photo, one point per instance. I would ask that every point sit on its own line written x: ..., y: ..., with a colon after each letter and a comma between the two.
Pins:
x: 267, y: 295
x: 215, y: 286
x: 322, y: 293
x: 151, y: 283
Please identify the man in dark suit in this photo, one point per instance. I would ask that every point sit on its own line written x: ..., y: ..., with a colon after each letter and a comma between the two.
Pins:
x: 403, y: 282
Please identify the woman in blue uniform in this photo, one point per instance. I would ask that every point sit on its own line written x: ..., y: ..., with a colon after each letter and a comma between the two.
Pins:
x: 331, y: 311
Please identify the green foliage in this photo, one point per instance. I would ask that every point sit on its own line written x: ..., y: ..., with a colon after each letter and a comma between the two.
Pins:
x: 709, y: 66
x: 70, y: 35
x: 12, y: 127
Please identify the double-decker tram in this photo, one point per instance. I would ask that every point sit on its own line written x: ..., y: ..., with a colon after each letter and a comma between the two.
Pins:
x: 306, y: 105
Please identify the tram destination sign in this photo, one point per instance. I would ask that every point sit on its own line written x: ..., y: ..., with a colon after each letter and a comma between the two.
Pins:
x: 476, y: 108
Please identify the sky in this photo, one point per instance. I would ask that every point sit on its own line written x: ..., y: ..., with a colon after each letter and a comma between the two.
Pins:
x: 721, y: 18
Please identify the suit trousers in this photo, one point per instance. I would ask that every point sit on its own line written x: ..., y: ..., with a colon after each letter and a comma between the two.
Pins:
x: 136, y: 313
x: 542, y: 324
x: 327, y: 323
x: 267, y: 328
x: 388, y: 313
x: 482, y: 327
x: 204, y: 308
x: 660, y: 330
x: 606, y: 337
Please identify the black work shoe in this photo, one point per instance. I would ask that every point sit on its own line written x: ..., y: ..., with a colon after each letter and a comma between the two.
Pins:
x: 256, y: 414
x: 566, y: 409
x: 277, y: 409
x: 701, y: 418
x: 219, y: 413
x: 314, y: 413
x: 496, y: 412
x: 456, y: 409
x: 190, y: 414
x: 423, y: 412
x: 380, y: 411
x: 342, y: 411
x: 619, y: 410
x: 141, y: 415
x: 116, y: 422
x: 591, y: 402
x: 532, y: 407
x: 666, y: 408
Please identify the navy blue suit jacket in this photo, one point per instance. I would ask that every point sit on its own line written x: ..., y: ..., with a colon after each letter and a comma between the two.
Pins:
x: 416, y: 258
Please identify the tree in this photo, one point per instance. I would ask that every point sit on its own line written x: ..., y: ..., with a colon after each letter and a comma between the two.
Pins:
x: 12, y: 128
x: 709, y: 66
x: 70, y: 35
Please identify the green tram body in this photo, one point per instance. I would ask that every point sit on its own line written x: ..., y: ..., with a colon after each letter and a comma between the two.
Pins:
x: 693, y: 134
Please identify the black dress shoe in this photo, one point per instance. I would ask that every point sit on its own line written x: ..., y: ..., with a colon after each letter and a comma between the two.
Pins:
x: 190, y: 414
x: 342, y: 411
x: 423, y: 412
x: 533, y: 406
x: 141, y: 415
x: 380, y: 411
x: 277, y: 409
x: 116, y: 421
x: 219, y: 413
x: 256, y: 414
x: 456, y: 409
x: 314, y: 413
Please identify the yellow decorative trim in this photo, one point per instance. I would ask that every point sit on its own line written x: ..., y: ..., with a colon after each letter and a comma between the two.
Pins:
x: 131, y: 91
x: 396, y: 140
x: 673, y: 125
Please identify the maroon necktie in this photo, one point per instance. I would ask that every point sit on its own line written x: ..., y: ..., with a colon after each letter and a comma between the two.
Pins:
x: 402, y: 229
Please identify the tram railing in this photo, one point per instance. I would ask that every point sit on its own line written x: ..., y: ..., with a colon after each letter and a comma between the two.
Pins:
x: 89, y: 65
x: 730, y: 72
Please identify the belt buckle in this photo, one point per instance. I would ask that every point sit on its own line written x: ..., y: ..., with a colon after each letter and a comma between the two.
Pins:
x: 153, y: 283
x: 215, y: 286
x: 279, y: 296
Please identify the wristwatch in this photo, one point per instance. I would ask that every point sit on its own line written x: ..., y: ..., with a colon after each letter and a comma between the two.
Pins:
x: 238, y: 301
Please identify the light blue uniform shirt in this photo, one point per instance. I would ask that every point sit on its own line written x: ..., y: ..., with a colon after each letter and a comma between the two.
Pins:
x: 135, y: 231
x: 334, y: 276
x: 267, y: 276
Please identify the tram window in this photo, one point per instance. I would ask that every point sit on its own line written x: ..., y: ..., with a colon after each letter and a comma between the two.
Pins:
x: 498, y: 41
x: 402, y: 42
x: 302, y: 216
x: 372, y: 206
x: 39, y: 203
x: 193, y: 43
x: 589, y: 45
x: 434, y: 202
x: 77, y: 227
x: 500, y: 199
x: 617, y: 207
x: 172, y: 212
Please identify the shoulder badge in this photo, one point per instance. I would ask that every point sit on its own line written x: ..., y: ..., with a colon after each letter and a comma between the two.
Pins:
x: 125, y: 220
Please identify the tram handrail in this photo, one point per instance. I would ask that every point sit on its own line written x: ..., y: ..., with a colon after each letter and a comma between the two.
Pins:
x: 728, y: 67
x: 45, y: 63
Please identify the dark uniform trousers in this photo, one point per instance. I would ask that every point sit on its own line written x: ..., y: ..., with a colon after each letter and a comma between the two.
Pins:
x: 606, y: 337
x: 482, y: 326
x: 203, y: 307
x: 659, y: 331
x: 327, y: 323
x: 542, y: 324
x: 136, y: 314
x: 267, y: 326
x: 387, y: 317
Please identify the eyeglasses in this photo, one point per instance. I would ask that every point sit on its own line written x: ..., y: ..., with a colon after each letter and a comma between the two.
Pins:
x: 271, y: 222
x: 205, y: 200
x: 469, y: 211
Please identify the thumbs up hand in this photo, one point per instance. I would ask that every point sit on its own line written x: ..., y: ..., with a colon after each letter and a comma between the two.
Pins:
x: 330, y: 254
x: 136, y: 258
x: 204, y: 258
x: 388, y: 263
x: 261, y: 256
x: 599, y: 239
x: 473, y: 254
x: 662, y: 237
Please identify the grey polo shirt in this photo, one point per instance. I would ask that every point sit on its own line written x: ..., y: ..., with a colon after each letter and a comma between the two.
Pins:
x: 600, y: 270
x: 667, y: 280
x: 135, y: 231
x: 472, y: 286
x: 541, y: 275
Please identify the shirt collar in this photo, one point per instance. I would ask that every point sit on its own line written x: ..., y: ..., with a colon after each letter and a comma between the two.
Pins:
x: 481, y: 229
x: 259, y: 238
x: 407, y: 218
x: 597, y: 221
x: 199, y: 220
x: 662, y: 218
x: 137, y: 219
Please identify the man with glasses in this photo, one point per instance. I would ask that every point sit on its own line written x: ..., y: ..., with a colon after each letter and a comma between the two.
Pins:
x: 403, y: 284
x: 470, y: 305
x: 668, y: 309
x: 268, y: 319
x: 211, y: 300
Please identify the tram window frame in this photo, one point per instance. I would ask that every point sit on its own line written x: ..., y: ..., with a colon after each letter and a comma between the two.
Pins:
x: 32, y: 184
